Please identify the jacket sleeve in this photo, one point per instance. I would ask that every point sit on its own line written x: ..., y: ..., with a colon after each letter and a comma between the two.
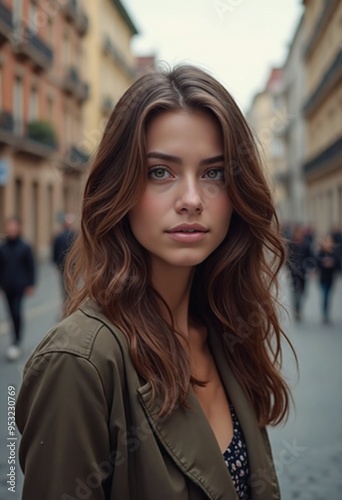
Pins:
x: 62, y: 415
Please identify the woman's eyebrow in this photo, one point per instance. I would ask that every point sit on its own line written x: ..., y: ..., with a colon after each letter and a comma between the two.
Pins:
x: 163, y: 156
x: 176, y: 159
x: 214, y: 159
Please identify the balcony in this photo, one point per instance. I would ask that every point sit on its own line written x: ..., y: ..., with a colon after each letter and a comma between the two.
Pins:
x: 39, y: 139
x: 36, y: 138
x: 322, y: 22
x: 70, y: 10
x: 29, y: 45
x: 331, y: 78
x: 82, y: 23
x: 75, y: 160
x: 6, y: 25
x: 328, y: 159
x: 74, y: 14
x: 110, y: 50
x: 72, y: 84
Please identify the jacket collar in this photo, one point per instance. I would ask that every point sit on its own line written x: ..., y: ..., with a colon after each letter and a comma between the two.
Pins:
x: 188, y: 438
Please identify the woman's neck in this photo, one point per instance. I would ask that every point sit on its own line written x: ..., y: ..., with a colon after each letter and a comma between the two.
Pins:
x: 174, y: 285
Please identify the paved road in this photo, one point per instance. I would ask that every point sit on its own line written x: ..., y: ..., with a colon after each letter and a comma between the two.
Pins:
x: 307, y: 450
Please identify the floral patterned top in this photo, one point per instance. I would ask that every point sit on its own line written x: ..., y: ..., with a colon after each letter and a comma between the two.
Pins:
x: 236, y: 459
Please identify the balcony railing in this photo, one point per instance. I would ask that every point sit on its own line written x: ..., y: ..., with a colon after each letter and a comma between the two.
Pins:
x: 36, y: 138
x: 73, y: 84
x: 28, y: 44
x: 330, y: 157
x: 109, y: 48
x: 75, y: 159
x: 6, y: 24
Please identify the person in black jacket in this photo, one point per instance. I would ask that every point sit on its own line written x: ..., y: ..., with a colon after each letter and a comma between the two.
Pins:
x: 300, y: 262
x: 61, y: 246
x: 328, y: 265
x: 17, y: 277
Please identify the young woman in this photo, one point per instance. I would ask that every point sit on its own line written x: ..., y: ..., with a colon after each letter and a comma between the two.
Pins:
x: 160, y: 382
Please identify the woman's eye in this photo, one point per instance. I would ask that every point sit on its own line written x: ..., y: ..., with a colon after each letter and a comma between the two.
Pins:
x: 215, y: 174
x: 158, y: 173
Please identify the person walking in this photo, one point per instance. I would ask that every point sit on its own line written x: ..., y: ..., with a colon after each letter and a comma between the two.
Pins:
x: 17, y: 278
x: 328, y: 265
x: 299, y: 262
x: 336, y: 235
x: 160, y: 381
x: 60, y: 248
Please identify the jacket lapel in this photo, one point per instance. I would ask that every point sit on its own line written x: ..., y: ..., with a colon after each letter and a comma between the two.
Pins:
x: 188, y: 439
x: 263, y: 479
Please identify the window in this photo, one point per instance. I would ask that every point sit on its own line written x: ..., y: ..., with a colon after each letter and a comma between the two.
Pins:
x: 49, y: 108
x: 67, y: 126
x: 18, y: 191
x: 66, y: 50
x: 18, y: 105
x: 50, y: 31
x: 0, y: 88
x: 33, y: 18
x: 34, y: 107
x: 49, y: 218
x: 17, y: 11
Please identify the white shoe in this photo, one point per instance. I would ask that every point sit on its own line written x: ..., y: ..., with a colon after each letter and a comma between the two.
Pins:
x: 13, y: 352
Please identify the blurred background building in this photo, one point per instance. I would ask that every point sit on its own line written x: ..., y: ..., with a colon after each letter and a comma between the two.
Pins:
x: 297, y: 118
x: 110, y: 64
x: 268, y: 117
x: 323, y: 111
x: 63, y: 65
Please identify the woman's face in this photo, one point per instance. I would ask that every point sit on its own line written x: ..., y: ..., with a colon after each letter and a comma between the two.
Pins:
x: 184, y: 212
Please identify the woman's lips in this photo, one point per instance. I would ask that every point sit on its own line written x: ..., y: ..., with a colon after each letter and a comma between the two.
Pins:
x: 187, y: 236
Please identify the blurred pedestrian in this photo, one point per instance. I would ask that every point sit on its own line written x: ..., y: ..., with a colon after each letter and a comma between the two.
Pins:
x: 60, y: 248
x: 17, y: 277
x: 328, y: 264
x: 300, y: 261
x: 161, y: 381
x: 309, y: 235
x: 336, y: 235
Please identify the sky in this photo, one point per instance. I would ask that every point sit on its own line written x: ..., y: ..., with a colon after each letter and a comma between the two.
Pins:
x: 238, y: 41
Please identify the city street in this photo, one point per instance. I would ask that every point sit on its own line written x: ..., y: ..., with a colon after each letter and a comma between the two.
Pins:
x: 307, y: 450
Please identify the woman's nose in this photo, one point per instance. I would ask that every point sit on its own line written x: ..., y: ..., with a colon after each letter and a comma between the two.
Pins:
x: 189, y: 198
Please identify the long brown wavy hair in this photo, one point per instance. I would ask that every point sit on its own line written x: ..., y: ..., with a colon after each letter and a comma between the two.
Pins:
x: 235, y: 287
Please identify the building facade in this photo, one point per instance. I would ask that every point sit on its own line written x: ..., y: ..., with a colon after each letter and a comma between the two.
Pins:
x: 110, y: 65
x: 42, y: 94
x: 293, y: 132
x: 267, y: 117
x: 323, y: 112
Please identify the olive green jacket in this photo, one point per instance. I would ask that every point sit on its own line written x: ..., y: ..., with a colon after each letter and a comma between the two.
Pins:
x: 89, y: 429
